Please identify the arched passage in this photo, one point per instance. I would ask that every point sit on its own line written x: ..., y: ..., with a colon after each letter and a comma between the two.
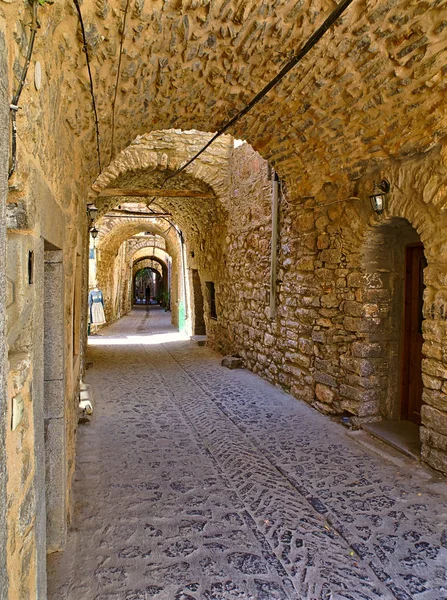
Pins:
x: 371, y: 95
x: 194, y: 228
x: 150, y: 281
x: 147, y: 285
x: 394, y: 263
x: 122, y: 242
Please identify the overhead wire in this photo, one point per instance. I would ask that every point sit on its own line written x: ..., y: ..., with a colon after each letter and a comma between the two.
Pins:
x: 311, y: 42
x: 85, y: 50
x: 14, y: 106
x: 118, y: 73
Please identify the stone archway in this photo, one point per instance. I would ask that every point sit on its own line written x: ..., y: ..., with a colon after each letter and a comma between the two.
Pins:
x: 199, y: 325
x: 147, y: 282
x: 387, y: 297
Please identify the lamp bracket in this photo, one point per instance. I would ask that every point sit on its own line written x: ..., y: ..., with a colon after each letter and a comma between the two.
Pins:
x: 384, y: 185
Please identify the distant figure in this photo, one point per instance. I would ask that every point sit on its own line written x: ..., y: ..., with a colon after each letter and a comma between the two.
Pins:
x: 96, y: 306
x: 148, y: 294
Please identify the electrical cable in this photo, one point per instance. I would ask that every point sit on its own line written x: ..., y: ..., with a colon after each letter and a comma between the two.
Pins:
x: 14, y: 106
x: 112, y: 143
x: 311, y: 42
x: 85, y: 49
x: 323, y: 205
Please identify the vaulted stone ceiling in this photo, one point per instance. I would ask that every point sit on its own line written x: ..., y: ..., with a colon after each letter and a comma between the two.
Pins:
x: 113, y: 232
x: 373, y: 88
x: 191, y: 214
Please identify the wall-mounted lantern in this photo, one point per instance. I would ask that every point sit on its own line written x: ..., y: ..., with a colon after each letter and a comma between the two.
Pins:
x: 94, y: 232
x: 379, y: 196
x: 92, y: 212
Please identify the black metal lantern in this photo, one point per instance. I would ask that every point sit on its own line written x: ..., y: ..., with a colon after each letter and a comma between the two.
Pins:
x: 92, y: 212
x: 94, y: 232
x: 379, y: 196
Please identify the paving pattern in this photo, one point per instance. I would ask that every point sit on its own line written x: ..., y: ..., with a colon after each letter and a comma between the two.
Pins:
x: 196, y: 482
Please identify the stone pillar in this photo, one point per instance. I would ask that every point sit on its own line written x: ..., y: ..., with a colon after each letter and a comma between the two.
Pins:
x: 54, y: 404
x: 4, y: 161
x: 434, y: 370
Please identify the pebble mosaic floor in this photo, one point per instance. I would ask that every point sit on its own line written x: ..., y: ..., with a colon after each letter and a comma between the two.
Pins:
x: 197, y: 482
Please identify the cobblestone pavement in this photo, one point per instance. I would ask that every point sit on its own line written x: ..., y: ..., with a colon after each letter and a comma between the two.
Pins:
x: 196, y: 482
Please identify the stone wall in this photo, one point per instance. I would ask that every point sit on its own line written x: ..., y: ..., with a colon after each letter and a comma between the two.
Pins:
x: 118, y: 251
x: 336, y: 339
x: 335, y: 342
x: 359, y: 97
x: 43, y: 211
x: 4, y: 160
x: 367, y: 103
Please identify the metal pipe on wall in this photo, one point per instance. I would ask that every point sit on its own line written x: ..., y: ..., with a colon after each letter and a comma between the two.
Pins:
x: 274, y: 244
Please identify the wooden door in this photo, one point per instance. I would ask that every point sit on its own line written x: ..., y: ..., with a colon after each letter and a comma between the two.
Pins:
x: 415, y: 263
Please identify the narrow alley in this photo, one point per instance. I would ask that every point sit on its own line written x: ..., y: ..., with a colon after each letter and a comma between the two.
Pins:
x: 194, y: 481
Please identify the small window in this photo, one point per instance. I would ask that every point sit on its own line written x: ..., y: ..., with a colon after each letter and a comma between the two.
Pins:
x: 30, y: 268
x: 212, y: 299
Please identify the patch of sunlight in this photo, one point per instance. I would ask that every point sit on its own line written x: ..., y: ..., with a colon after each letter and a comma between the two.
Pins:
x: 237, y: 143
x: 133, y: 340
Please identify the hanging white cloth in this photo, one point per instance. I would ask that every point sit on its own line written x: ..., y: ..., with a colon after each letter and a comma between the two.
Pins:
x: 96, y: 304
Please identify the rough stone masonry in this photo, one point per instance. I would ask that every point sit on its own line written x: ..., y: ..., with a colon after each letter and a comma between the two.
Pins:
x: 368, y: 104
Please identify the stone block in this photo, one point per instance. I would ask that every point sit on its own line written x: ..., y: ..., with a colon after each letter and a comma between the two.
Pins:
x: 10, y: 293
x: 432, y: 349
x: 303, y: 392
x: 332, y: 255
x: 353, y: 309
x: 325, y: 378
x: 293, y: 370
x: 306, y: 263
x: 359, y: 394
x: 296, y: 358
x: 356, y: 280
x: 435, y: 458
x: 331, y: 313
x: 324, y: 322
x: 330, y: 301
x: 232, y: 362
x: 323, y: 242
x: 305, y: 315
x: 435, y: 398
x: 366, y: 350
x: 434, y: 368
x: 374, y: 310
x: 434, y: 330
x: 27, y: 512
x: 329, y: 365
x: 435, y: 419
x: 360, y: 409
x: 324, y: 393
x: 324, y: 276
x: 306, y: 346
x: 319, y: 336
x: 321, y: 223
x: 433, y: 383
x: 326, y: 409
x: 433, y: 439
x: 359, y: 366
x: 54, y: 342
x: 55, y: 484
x: 363, y: 382
x: 305, y: 221
x: 17, y: 216
x: 54, y: 400
x: 363, y: 325
x: 269, y: 340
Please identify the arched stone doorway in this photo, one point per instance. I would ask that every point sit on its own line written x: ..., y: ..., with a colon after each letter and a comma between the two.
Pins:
x: 147, y: 285
x: 394, y: 263
x: 199, y: 326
